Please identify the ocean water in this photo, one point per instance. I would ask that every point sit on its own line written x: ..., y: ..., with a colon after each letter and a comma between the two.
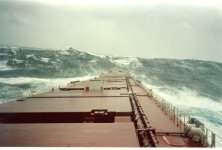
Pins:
x: 194, y: 86
x: 20, y: 87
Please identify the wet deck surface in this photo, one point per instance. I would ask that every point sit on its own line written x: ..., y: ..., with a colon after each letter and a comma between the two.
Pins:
x: 62, y: 135
x: 81, y: 93
x: 120, y: 104
x: 158, y: 119
x: 161, y: 122
x: 66, y: 109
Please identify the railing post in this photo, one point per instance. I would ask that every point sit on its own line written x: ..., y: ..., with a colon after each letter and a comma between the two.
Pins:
x: 184, y: 118
x: 168, y: 108
x: 207, y: 136
x: 171, y: 113
x: 188, y: 118
x: 162, y: 104
x: 213, y: 140
x: 174, y: 113
x: 177, y: 115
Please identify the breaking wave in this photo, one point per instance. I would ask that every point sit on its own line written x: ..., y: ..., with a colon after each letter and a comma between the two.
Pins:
x: 20, y: 87
x: 204, y: 109
x: 4, y: 66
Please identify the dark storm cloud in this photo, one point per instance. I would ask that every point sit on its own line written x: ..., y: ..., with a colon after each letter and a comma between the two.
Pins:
x: 161, y: 31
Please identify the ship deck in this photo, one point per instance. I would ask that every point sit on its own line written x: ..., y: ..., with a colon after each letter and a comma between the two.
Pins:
x: 68, y: 134
x: 78, y: 115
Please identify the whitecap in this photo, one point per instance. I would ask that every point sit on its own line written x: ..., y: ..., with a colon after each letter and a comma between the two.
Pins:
x: 126, y: 61
x: 44, y: 59
x: 36, y: 84
x: 4, y: 66
x: 3, y: 54
x: 53, y: 82
x: 31, y: 56
x: 97, y: 55
x: 187, y: 97
x: 64, y: 52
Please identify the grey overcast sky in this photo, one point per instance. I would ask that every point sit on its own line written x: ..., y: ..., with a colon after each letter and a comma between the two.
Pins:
x: 182, y: 29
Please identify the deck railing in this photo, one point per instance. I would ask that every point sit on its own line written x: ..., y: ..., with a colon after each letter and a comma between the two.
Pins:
x: 181, y: 119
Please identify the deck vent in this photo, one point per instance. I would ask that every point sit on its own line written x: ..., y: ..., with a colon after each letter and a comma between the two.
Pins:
x: 112, y: 88
x: 100, y: 116
x: 99, y: 112
x: 71, y: 88
x: 75, y: 81
x: 20, y: 100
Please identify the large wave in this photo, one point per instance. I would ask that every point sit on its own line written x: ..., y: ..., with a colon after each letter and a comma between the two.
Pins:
x: 20, y: 87
x: 192, y: 85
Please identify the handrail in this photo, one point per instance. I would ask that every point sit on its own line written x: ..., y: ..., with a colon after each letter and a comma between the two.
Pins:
x: 181, y: 118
